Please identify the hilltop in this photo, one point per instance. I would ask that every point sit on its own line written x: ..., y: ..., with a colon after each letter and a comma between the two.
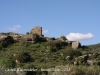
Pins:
x: 33, y: 50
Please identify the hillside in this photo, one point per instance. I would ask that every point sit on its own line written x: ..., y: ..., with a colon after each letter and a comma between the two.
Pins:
x: 95, y: 47
x: 46, y: 55
x: 33, y: 50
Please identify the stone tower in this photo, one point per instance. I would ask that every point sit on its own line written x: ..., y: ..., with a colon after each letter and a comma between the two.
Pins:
x: 36, y: 30
x: 75, y: 44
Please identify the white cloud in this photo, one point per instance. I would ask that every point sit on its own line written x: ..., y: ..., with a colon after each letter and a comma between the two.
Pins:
x: 14, y: 27
x: 45, y: 31
x: 79, y: 36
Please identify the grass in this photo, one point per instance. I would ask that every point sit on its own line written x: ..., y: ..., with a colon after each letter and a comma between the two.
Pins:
x: 43, y: 58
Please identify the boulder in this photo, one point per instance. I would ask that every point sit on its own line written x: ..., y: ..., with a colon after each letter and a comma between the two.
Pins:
x: 68, y: 58
x: 91, y: 62
x: 75, y: 63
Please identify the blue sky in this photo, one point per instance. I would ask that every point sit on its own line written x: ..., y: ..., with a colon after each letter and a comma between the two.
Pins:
x: 75, y: 19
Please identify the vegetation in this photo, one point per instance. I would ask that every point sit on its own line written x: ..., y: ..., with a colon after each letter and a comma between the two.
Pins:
x: 49, y: 54
x: 22, y: 57
x: 1, y: 46
x: 7, y: 63
x: 77, y: 70
x: 7, y: 41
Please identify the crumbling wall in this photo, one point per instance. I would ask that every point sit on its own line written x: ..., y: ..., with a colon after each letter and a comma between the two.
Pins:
x: 75, y: 44
x: 36, y: 30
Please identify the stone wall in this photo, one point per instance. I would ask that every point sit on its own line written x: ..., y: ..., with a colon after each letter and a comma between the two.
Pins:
x: 36, y: 30
x: 75, y: 44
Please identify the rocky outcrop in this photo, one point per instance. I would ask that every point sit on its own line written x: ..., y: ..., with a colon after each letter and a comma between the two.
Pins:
x: 91, y: 62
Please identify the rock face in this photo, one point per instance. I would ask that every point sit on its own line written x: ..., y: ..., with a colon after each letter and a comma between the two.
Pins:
x: 36, y: 30
x: 75, y: 44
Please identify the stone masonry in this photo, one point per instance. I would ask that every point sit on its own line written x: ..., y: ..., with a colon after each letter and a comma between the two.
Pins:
x: 75, y: 44
x: 36, y: 30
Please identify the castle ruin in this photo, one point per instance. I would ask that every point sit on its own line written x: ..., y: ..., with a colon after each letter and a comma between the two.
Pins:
x: 37, y: 30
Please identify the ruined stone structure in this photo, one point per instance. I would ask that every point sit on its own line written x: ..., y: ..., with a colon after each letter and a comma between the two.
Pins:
x: 28, y: 38
x: 31, y: 38
x: 75, y: 44
x: 37, y: 30
x: 50, y: 38
x: 17, y: 37
x: 2, y: 37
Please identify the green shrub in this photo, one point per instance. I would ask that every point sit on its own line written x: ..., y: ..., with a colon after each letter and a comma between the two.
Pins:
x: 52, y: 49
x: 1, y: 46
x: 98, y: 62
x: 7, y: 63
x: 23, y: 57
x: 7, y: 41
x: 78, y: 70
x: 63, y: 37
x: 72, y: 53
x: 95, y: 55
x: 36, y: 45
x: 55, y: 45
x: 81, y: 60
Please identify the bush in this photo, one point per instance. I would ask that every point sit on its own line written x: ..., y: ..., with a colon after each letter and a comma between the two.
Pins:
x: 7, y: 63
x: 95, y: 55
x: 7, y: 41
x: 52, y: 49
x: 23, y: 57
x: 97, y: 63
x: 63, y: 37
x: 77, y: 70
x: 0, y: 46
x: 51, y: 45
x: 55, y: 45
x: 72, y: 53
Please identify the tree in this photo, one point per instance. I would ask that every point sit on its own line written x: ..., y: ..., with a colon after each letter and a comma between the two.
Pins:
x: 8, y: 40
x: 27, y: 33
x: 63, y: 38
